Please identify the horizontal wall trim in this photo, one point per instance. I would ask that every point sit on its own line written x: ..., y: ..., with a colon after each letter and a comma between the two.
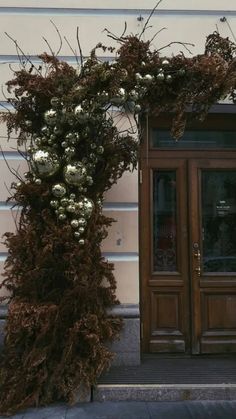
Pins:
x: 125, y: 310
x: 120, y: 206
x: 124, y: 206
x: 13, y: 155
x: 108, y: 12
x: 7, y: 206
x: 112, y: 257
x: 71, y: 59
x: 121, y: 257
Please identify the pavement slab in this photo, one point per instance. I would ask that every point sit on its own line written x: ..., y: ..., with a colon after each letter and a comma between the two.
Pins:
x: 134, y: 410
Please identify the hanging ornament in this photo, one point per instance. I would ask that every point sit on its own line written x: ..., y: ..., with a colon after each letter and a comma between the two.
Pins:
x: 77, y: 235
x: 81, y: 242
x: 133, y: 95
x: 119, y: 98
x: 38, y: 141
x: 50, y: 117
x: 54, y: 204
x: 138, y: 77
x: 38, y: 181
x: 148, y: 78
x: 100, y: 149
x: 80, y: 114
x: 137, y: 108
x: 55, y: 102
x: 81, y: 230
x: 168, y: 78
x: 64, y: 202
x: 57, y: 130
x: 62, y: 217
x: 70, y: 152
x: 59, y: 190
x: 74, y: 223
x: 87, y: 207
x: 160, y: 76
x: 165, y: 62
x: 45, y: 163
x: 70, y: 208
x: 89, y: 180
x: 45, y: 130
x: 75, y: 173
x: 82, y: 222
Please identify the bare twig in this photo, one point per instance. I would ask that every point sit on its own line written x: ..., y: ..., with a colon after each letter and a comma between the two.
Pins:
x: 148, y: 19
x: 157, y: 33
x: 124, y: 31
x: 72, y: 50
x: 49, y: 46
x: 113, y: 36
x: 79, y: 46
x: 18, y: 49
x: 180, y: 43
x: 12, y: 171
x: 8, y: 190
x: 59, y: 36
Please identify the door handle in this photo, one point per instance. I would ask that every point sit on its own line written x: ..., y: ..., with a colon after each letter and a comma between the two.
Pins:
x: 197, y: 255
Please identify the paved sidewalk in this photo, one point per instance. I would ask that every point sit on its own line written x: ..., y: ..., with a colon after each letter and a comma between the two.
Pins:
x: 135, y: 410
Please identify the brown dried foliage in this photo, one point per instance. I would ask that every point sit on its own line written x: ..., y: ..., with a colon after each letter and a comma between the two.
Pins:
x: 57, y: 325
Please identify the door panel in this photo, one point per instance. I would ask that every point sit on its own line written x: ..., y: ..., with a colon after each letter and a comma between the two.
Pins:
x: 188, y: 254
x: 212, y: 225
x: 163, y: 217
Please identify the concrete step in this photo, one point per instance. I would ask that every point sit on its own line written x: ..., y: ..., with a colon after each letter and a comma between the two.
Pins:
x: 164, y: 392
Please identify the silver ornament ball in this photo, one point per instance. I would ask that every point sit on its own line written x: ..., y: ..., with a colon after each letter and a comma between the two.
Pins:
x: 100, y: 149
x: 70, y: 208
x: 160, y: 76
x: 75, y: 173
x: 64, y: 202
x: 38, y: 181
x: 59, y: 190
x: 45, y: 163
x: 62, y: 217
x: 74, y: 223
x: 54, y: 204
x: 50, y: 117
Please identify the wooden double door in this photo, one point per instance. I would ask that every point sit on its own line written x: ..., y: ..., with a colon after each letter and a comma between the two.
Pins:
x: 188, y: 252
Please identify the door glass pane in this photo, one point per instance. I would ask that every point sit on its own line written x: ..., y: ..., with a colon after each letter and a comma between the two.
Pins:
x: 164, y: 221
x: 219, y: 220
x: 194, y: 139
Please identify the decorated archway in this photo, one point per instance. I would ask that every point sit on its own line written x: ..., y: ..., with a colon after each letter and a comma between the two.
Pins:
x: 61, y: 286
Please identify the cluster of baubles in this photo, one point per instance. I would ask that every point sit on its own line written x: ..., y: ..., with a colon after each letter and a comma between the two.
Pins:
x: 78, y: 210
x: 53, y: 154
x: 163, y: 74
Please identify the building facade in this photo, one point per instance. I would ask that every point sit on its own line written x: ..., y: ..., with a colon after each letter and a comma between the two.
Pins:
x: 177, y: 287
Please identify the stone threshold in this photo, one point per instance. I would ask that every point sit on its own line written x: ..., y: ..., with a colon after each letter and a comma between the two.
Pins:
x: 163, y: 392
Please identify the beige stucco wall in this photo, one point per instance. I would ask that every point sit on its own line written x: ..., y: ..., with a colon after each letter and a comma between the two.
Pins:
x: 28, y: 21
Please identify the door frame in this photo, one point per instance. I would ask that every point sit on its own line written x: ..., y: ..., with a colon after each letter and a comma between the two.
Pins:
x: 148, y: 154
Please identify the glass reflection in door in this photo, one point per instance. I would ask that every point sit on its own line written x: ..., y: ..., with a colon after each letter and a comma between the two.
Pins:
x: 164, y: 221
x: 219, y: 220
